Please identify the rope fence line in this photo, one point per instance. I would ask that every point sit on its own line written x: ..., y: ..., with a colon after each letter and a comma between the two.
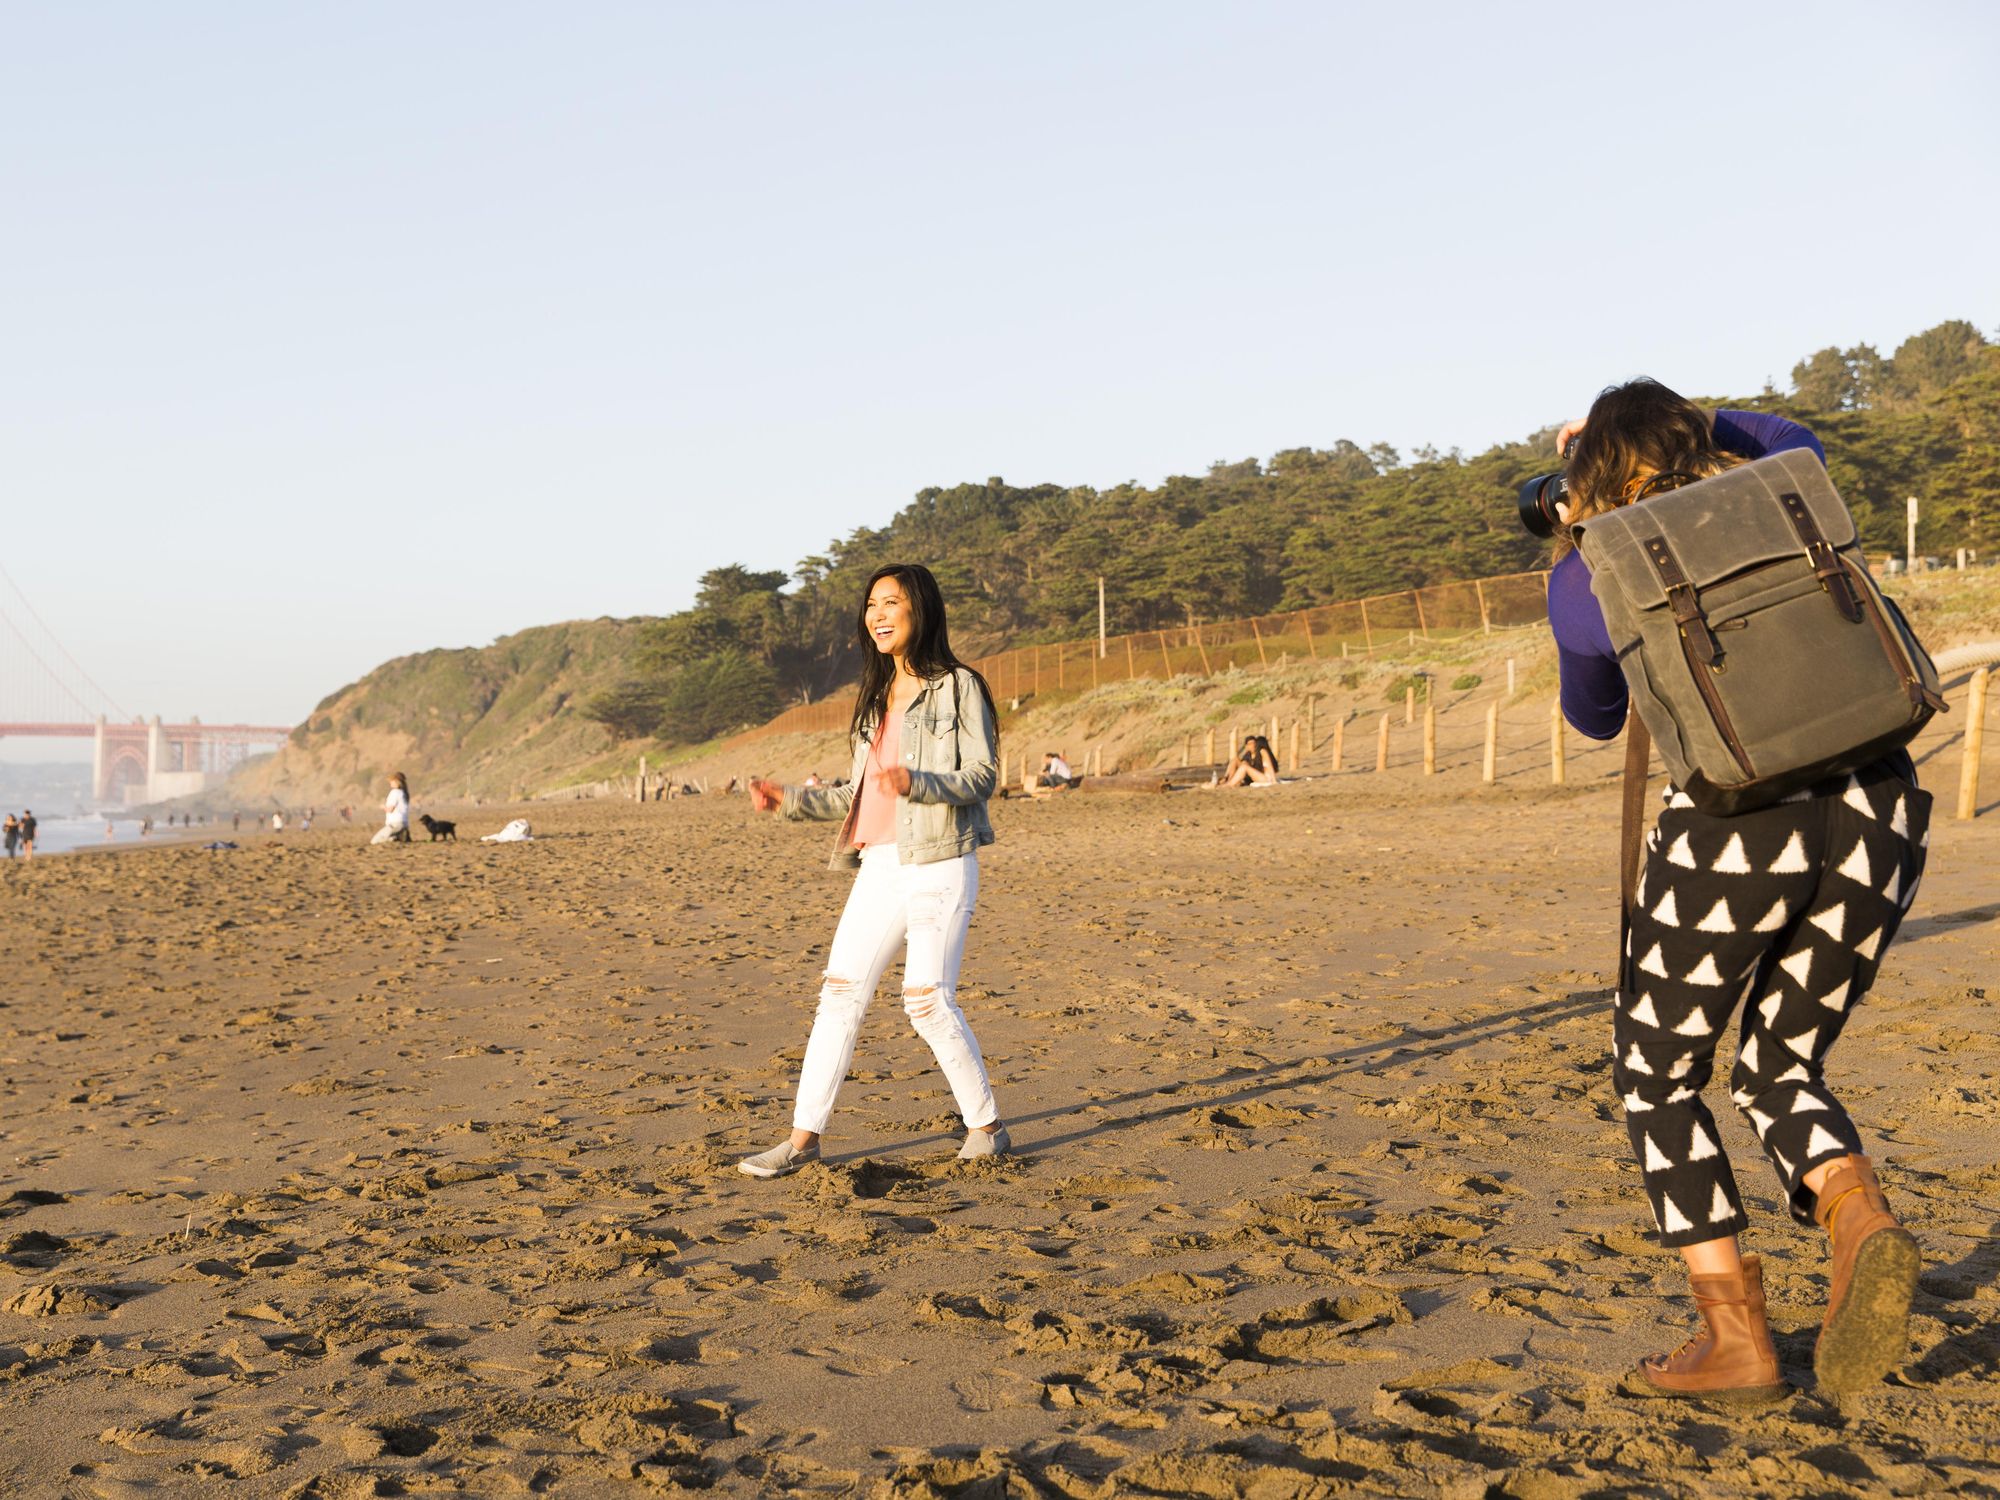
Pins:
x: 1349, y: 629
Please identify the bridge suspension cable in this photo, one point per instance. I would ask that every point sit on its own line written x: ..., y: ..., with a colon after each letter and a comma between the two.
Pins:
x: 50, y: 676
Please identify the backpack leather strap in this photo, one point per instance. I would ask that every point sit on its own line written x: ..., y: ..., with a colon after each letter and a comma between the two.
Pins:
x: 1632, y: 827
x: 1685, y: 602
x: 1824, y: 559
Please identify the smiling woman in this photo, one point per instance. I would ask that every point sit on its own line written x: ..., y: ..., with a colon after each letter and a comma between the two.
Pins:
x: 913, y: 818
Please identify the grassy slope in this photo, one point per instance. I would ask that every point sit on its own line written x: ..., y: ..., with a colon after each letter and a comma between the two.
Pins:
x: 498, y: 719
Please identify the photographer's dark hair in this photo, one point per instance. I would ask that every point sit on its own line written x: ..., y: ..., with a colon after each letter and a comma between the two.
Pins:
x: 1636, y: 434
x: 930, y: 655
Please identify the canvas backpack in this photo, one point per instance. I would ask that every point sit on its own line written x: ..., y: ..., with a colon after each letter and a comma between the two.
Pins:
x: 1758, y: 651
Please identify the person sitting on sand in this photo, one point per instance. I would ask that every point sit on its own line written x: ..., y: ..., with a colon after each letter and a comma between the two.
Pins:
x: 1055, y: 776
x: 395, y: 827
x: 913, y: 818
x: 1800, y: 900
x: 1255, y: 765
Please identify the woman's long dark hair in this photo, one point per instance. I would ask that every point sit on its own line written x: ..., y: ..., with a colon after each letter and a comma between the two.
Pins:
x: 1270, y: 755
x: 1637, y: 434
x: 930, y: 655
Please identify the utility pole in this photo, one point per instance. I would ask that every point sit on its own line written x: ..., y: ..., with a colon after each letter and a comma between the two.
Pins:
x: 1100, y: 598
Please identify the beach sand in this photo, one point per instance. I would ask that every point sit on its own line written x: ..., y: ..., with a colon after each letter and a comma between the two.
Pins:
x: 335, y: 1171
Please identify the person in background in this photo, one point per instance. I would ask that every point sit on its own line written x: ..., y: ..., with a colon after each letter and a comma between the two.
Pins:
x: 28, y: 826
x: 10, y: 833
x: 395, y: 827
x: 1054, y: 776
x: 1789, y: 909
x: 278, y: 821
x: 1255, y: 765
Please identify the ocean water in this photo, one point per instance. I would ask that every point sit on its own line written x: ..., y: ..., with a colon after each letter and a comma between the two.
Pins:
x: 60, y: 835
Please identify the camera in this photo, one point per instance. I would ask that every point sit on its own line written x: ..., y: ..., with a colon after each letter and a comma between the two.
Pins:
x: 1537, y: 500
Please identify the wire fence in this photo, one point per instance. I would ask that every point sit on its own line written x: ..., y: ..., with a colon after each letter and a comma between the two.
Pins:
x: 1353, y: 627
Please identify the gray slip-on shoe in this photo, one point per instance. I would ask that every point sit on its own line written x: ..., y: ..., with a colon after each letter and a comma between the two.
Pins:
x: 984, y: 1143
x: 781, y: 1160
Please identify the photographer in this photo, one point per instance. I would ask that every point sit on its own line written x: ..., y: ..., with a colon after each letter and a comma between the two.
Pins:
x: 1797, y: 901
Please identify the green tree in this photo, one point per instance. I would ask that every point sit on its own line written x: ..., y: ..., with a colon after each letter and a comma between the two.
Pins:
x: 729, y: 690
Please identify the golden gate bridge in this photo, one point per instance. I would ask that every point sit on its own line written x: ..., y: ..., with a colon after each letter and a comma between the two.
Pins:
x: 46, y: 694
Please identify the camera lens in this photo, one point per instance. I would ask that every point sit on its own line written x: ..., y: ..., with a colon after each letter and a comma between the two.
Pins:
x: 1537, y: 500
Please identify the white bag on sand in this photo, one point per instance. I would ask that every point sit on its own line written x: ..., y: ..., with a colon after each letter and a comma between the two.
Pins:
x: 516, y: 832
x: 383, y: 835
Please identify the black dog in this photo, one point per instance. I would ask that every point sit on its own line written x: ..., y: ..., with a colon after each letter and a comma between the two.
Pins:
x: 437, y: 828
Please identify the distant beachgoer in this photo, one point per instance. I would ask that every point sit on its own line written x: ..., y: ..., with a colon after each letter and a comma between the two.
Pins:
x: 10, y: 833
x: 110, y: 829
x: 924, y: 739
x: 277, y: 822
x: 28, y: 826
x: 1255, y: 765
x: 812, y: 779
x: 1055, y: 776
x: 346, y: 813
x: 395, y: 827
x: 145, y: 828
x: 236, y: 821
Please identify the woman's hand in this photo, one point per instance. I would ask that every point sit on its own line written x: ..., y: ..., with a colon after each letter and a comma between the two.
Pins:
x: 765, y: 796
x: 1567, y: 434
x: 894, y: 781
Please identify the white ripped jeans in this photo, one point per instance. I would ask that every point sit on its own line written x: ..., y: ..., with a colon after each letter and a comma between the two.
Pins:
x: 930, y: 907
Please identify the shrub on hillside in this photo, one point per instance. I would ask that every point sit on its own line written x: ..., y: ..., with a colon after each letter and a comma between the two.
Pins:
x: 630, y: 710
x: 728, y: 690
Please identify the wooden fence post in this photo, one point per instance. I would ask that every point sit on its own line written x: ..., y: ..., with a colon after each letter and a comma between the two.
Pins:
x: 1166, y: 661
x: 1187, y: 750
x: 1409, y: 705
x: 1274, y: 734
x: 1038, y: 669
x: 1417, y: 595
x: 1339, y: 740
x: 642, y: 778
x: 1235, y: 740
x: 1312, y: 723
x: 1367, y: 635
x: 1313, y: 646
x: 1485, y: 619
x: 1262, y: 659
x: 1131, y: 669
x: 1430, y: 739
x: 1491, y: 763
x: 1975, y: 744
x: 1206, y: 669
x: 1208, y: 746
x: 1510, y: 677
x: 1093, y: 667
x: 1382, y: 745
x: 1295, y: 747
x: 1556, y: 767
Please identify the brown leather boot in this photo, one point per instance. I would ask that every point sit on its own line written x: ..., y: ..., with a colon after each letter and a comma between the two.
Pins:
x: 1875, y: 1263
x: 1733, y: 1359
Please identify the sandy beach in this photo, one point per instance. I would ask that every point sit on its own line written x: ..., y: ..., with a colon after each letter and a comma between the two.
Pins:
x: 335, y: 1171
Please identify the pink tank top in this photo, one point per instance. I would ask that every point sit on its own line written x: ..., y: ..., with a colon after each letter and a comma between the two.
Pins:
x: 875, y: 823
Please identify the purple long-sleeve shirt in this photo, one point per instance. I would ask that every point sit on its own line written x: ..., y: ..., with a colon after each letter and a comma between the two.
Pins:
x: 1593, y: 686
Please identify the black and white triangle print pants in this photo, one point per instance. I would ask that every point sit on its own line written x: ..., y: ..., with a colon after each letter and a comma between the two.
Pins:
x: 1798, y: 902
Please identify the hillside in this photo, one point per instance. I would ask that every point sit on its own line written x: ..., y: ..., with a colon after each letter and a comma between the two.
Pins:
x: 1306, y: 526
x: 1020, y: 564
x: 491, y: 719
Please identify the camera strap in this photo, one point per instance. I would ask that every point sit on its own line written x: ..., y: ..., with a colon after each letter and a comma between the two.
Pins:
x: 1632, y: 826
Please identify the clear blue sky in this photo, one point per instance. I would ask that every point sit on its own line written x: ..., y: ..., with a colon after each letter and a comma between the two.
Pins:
x: 332, y: 332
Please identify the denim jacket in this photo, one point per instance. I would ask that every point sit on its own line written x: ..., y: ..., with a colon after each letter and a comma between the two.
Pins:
x: 951, y: 747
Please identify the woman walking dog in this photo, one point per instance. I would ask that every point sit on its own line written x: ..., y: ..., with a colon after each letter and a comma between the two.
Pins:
x: 1801, y: 899
x: 913, y: 813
